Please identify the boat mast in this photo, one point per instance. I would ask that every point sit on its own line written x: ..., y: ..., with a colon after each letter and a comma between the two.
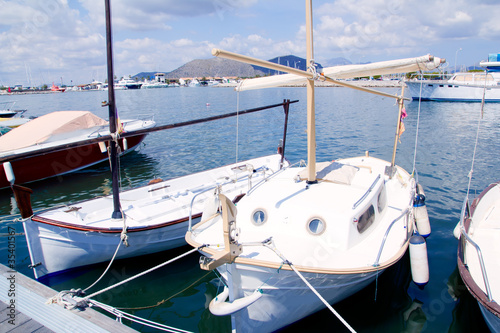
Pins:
x: 398, y: 132
x: 117, y: 214
x: 311, y: 121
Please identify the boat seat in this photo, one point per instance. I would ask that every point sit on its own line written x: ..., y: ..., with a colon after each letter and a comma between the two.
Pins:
x: 333, y: 172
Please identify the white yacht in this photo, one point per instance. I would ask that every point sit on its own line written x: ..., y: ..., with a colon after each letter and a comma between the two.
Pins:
x: 462, y: 87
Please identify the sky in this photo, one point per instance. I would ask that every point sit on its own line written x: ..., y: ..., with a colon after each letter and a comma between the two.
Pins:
x: 63, y: 41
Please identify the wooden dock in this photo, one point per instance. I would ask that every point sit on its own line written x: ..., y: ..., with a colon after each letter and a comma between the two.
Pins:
x: 23, y: 309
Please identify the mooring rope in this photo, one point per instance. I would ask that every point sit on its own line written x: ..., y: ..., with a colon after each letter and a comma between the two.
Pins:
x: 124, y: 315
x: 270, y: 245
x: 107, y: 268
x: 140, y: 274
x: 166, y: 299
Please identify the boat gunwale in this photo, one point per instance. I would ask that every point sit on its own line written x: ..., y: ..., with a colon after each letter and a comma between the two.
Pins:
x: 306, y: 269
x: 474, y: 289
x: 44, y: 220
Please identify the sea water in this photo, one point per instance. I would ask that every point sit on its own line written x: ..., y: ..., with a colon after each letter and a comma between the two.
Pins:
x: 349, y: 123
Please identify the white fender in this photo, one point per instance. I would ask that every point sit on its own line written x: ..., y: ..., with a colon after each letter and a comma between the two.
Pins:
x: 9, y: 173
x: 219, y: 307
x: 421, y: 215
x: 125, y: 144
x: 418, y: 261
x: 457, y: 231
x: 102, y: 147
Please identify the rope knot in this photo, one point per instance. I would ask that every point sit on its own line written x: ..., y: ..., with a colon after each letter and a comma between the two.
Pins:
x: 124, y: 237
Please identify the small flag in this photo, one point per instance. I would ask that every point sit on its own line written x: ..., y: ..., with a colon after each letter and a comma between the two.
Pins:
x: 401, y: 124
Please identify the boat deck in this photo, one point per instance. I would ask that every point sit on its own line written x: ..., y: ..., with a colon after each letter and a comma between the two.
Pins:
x: 32, y: 314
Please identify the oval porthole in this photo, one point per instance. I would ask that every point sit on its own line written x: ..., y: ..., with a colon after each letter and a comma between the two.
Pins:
x: 259, y: 217
x: 316, y: 226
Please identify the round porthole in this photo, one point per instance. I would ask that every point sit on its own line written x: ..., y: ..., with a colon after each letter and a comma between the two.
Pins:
x: 259, y: 217
x: 316, y: 226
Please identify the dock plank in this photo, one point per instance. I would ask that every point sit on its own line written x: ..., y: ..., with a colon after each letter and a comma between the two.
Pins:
x: 32, y: 314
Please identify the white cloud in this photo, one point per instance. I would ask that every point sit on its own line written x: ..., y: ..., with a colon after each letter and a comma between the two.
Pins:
x: 65, y: 38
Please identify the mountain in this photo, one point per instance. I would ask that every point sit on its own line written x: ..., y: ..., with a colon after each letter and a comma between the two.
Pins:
x: 337, y: 61
x: 215, y: 67
x: 218, y: 67
x: 290, y: 61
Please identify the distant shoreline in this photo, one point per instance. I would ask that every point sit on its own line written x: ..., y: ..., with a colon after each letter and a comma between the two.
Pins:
x: 359, y: 83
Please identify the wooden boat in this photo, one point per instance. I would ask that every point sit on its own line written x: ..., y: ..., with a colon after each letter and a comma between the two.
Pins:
x: 155, y: 218
x: 479, y: 252
x: 38, y: 149
x: 152, y: 218
x: 310, y: 236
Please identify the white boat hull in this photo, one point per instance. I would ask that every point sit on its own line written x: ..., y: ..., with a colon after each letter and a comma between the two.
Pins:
x: 286, y: 298
x: 338, y: 259
x: 481, y: 229
x: 57, y: 249
x: 444, y: 91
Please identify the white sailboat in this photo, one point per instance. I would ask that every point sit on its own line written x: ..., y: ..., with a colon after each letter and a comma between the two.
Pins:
x: 309, y: 236
x: 155, y: 218
x: 478, y: 234
x: 479, y: 253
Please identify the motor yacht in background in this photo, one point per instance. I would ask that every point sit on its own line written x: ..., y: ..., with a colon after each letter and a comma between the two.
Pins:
x: 462, y: 87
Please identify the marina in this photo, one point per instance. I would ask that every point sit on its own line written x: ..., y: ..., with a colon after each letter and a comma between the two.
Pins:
x: 462, y: 86
x: 24, y: 308
x: 446, y: 142
x: 331, y: 233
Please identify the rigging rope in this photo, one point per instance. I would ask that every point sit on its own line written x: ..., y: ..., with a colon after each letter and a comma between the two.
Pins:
x: 414, y: 171
x: 237, y: 122
x: 477, y: 136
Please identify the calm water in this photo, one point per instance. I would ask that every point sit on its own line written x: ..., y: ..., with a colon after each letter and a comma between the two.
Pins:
x: 349, y: 123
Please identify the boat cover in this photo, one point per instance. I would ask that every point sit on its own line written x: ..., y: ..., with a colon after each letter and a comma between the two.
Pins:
x: 44, y: 127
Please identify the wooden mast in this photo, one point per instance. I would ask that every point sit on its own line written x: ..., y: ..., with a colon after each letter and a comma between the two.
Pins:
x: 117, y: 214
x: 311, y: 121
x: 398, y: 131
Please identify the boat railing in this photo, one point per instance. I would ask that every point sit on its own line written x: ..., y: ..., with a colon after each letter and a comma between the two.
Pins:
x: 405, y: 213
x: 465, y: 239
x: 357, y: 203
x: 218, y: 185
x: 274, y: 174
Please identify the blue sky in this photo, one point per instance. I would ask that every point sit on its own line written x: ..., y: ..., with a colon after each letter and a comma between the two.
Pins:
x: 43, y: 41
